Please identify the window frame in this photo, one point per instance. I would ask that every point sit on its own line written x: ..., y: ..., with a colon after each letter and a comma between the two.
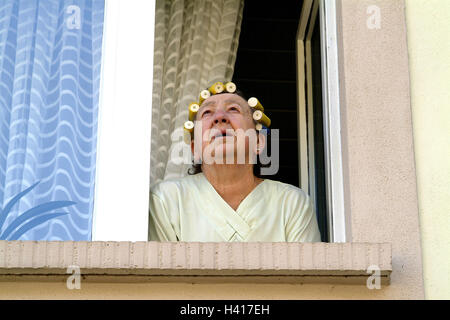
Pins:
x: 124, y: 111
x: 326, y: 10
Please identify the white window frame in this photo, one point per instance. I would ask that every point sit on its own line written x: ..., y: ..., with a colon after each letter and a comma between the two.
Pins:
x: 331, y: 112
x: 122, y: 181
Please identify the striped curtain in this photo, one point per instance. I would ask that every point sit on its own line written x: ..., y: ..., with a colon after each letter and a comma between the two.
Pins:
x: 195, y: 45
x: 50, y: 54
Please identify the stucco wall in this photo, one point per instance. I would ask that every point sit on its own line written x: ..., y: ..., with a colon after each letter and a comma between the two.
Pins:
x: 379, y: 176
x: 429, y: 53
x: 52, y: 290
x: 378, y: 137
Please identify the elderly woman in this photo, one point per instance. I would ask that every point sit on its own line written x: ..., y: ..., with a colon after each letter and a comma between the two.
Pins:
x: 224, y: 200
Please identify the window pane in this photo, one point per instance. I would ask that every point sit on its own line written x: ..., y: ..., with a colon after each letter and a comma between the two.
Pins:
x: 50, y: 57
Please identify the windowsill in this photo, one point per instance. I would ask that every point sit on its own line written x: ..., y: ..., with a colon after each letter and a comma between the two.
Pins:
x: 195, y: 261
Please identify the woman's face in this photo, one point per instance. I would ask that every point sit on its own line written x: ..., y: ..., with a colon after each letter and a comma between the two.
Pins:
x: 227, y: 132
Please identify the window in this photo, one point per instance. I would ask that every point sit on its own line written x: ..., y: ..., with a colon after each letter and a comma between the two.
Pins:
x: 310, y: 112
x: 319, y: 115
x: 120, y: 206
x: 292, y: 36
x: 50, y: 56
x: 68, y: 68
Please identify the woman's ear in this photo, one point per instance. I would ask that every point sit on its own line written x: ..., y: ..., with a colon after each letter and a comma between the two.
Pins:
x: 261, y: 143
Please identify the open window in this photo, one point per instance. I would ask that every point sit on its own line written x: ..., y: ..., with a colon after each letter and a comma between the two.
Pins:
x: 310, y: 112
x: 319, y: 115
x: 287, y: 56
x: 291, y: 34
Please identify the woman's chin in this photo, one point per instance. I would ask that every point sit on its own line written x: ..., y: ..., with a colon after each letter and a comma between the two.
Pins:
x: 221, y: 152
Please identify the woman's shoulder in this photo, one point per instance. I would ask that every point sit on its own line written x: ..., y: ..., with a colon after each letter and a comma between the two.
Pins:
x: 291, y: 200
x: 285, y: 190
x: 173, y: 185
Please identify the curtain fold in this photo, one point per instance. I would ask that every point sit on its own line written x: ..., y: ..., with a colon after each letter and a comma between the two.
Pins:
x: 195, y: 45
x: 50, y: 57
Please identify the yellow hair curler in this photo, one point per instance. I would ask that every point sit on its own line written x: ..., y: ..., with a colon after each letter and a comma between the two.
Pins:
x: 254, y: 103
x: 193, y: 109
x: 259, y: 116
x: 216, y: 88
x: 188, y: 131
x: 230, y: 87
x: 189, y: 126
x: 205, y: 94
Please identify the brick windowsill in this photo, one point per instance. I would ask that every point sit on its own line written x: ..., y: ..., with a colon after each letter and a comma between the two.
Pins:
x: 196, y: 261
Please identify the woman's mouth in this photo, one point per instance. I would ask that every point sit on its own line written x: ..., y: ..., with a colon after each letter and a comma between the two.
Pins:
x: 216, y: 133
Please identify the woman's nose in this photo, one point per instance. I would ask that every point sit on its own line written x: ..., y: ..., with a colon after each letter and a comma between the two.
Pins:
x: 220, y: 117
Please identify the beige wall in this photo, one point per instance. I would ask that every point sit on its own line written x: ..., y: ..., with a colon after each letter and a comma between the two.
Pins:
x: 379, y: 176
x: 380, y: 167
x: 52, y: 290
x: 429, y: 52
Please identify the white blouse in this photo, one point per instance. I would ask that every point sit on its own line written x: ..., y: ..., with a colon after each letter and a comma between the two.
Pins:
x: 190, y: 209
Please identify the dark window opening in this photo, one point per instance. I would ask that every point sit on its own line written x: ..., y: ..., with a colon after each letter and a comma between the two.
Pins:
x: 266, y: 68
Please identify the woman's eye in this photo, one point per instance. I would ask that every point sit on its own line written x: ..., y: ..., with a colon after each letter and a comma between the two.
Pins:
x: 205, y: 112
x: 233, y: 109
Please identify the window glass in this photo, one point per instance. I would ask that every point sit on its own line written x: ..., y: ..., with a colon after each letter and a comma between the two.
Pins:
x: 50, y: 61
